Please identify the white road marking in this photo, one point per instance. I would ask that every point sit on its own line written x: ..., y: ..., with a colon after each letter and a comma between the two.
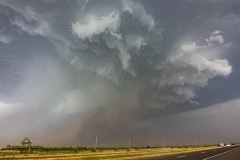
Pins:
x: 220, y: 154
x: 181, y: 156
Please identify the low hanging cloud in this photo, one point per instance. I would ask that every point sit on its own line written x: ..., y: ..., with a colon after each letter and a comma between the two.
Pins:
x: 96, y: 25
x: 215, y: 37
x: 110, y: 29
x: 5, y: 39
x: 27, y: 19
x: 189, y: 68
x: 137, y: 10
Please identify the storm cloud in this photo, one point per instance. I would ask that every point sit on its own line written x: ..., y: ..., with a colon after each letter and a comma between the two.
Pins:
x: 77, y: 69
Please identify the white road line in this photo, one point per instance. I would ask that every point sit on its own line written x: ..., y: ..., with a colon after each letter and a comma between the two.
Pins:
x: 220, y: 154
x: 181, y: 156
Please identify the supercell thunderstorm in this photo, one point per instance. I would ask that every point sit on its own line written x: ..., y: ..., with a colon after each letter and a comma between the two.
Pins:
x: 78, y: 73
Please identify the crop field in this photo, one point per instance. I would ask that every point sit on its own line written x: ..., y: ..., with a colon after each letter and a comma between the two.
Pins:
x: 119, y: 154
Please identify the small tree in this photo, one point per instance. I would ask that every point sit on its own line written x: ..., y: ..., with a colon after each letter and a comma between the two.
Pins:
x: 8, y: 146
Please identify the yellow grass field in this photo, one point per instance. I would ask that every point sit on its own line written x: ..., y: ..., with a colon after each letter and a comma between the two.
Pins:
x: 101, y: 155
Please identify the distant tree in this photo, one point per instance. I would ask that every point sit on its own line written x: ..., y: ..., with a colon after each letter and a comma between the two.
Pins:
x: 8, y: 146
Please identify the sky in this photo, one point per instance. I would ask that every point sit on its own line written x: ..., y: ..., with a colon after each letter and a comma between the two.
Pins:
x: 145, y: 70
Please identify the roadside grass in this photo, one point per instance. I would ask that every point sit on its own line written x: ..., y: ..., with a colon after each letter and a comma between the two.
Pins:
x: 104, y: 155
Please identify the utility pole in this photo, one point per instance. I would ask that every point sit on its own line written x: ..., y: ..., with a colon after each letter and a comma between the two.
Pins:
x: 163, y: 144
x: 173, y: 144
x: 31, y: 142
x: 181, y: 143
x: 129, y: 143
x: 96, y: 144
x: 195, y: 143
x: 149, y: 143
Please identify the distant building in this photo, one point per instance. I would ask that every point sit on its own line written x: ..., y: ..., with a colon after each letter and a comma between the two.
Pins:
x: 221, y: 144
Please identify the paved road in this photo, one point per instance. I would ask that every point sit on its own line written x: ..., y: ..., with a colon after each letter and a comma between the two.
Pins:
x: 226, y: 153
x: 232, y: 155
